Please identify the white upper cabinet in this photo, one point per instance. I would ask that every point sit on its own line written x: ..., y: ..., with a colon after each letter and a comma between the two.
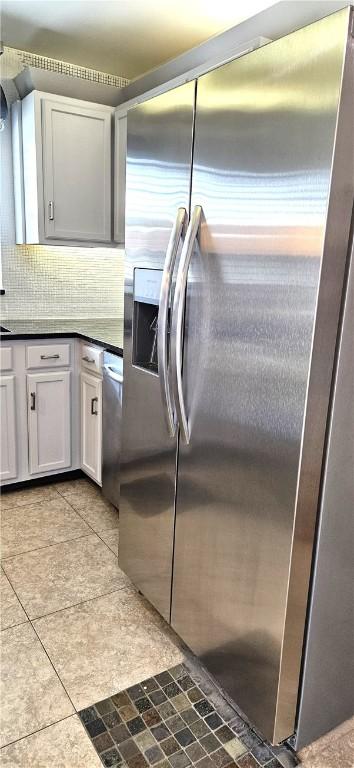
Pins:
x: 77, y: 171
x: 67, y: 170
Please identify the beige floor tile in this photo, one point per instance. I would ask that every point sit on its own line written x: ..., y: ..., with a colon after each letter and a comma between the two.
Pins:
x: 81, y: 486
x: 29, y: 527
x: 63, y: 745
x: 334, y: 750
x: 107, y: 644
x: 97, y: 512
x: 57, y: 577
x: 112, y: 539
x: 11, y: 609
x: 32, y: 495
x: 86, y: 497
x: 31, y: 694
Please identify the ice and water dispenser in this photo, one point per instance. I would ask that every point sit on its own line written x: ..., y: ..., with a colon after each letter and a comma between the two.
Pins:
x: 147, y: 285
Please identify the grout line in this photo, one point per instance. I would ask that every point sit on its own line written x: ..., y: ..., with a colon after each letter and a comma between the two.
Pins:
x: 23, y: 506
x: 96, y: 532
x: 22, y: 738
x: 46, y: 546
x: 77, y: 512
x: 28, y: 503
x: 66, y: 607
x: 83, y: 602
x: 45, y: 651
x: 69, y: 493
x: 18, y: 624
x: 75, y: 605
x: 107, y: 545
x: 52, y: 664
x: 81, y: 516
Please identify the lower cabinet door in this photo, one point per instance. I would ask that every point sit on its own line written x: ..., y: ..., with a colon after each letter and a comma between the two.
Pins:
x: 8, y: 463
x: 49, y: 421
x: 91, y: 426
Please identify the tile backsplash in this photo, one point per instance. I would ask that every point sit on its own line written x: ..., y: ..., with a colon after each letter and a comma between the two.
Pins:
x: 52, y: 282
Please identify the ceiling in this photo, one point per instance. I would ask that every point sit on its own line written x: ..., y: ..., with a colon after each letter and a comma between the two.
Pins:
x: 123, y: 37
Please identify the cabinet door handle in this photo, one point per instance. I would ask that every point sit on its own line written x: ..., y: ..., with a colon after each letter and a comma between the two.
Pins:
x: 94, y: 400
x: 88, y: 359
x: 50, y: 357
x: 33, y: 401
x: 51, y: 210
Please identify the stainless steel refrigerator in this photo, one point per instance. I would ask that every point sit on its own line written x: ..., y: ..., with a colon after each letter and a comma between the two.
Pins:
x: 238, y: 216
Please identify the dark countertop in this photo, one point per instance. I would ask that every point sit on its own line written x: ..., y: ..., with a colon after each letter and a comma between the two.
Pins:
x: 105, y: 332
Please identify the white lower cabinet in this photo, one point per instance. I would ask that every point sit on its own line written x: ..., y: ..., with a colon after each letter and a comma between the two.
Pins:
x: 8, y: 460
x: 50, y: 409
x: 49, y: 421
x: 91, y: 425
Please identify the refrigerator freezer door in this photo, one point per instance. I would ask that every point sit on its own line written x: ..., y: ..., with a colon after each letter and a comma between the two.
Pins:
x: 264, y: 137
x: 160, y: 134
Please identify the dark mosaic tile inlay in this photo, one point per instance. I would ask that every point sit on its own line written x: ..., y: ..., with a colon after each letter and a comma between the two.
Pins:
x: 143, y: 704
x: 173, y: 720
x: 104, y: 707
x: 213, y: 721
x: 110, y: 758
x: 160, y: 732
x: 189, y: 716
x: 111, y: 719
x: 152, y: 717
x: 203, y: 707
x: 157, y: 697
x: 194, y: 694
x: 186, y: 682
x: 95, y: 727
x: 171, y: 690
x: 136, y: 725
x: 166, y: 710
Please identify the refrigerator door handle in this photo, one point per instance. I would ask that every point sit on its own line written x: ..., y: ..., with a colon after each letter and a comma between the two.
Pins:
x: 177, y: 320
x: 177, y: 232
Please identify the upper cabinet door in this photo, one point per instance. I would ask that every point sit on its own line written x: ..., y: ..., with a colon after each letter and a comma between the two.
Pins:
x: 77, y: 171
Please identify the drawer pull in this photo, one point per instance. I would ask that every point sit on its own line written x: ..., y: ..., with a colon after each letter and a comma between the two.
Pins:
x: 33, y: 401
x: 50, y: 357
x: 94, y: 400
x: 88, y: 359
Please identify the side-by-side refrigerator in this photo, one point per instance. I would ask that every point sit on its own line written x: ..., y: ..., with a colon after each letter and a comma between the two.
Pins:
x: 238, y: 223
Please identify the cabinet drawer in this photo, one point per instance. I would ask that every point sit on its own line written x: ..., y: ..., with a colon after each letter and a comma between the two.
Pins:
x: 6, y: 359
x: 48, y: 356
x: 91, y: 359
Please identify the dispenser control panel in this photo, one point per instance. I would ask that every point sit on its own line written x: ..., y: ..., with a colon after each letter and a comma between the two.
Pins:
x: 147, y: 285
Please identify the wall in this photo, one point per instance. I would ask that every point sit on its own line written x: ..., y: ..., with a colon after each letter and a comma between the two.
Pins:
x: 56, y: 282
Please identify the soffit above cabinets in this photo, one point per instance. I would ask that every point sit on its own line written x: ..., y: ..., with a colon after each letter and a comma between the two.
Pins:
x: 36, y: 79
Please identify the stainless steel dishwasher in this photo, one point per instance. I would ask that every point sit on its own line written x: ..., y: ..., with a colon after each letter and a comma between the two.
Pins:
x: 111, y: 426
